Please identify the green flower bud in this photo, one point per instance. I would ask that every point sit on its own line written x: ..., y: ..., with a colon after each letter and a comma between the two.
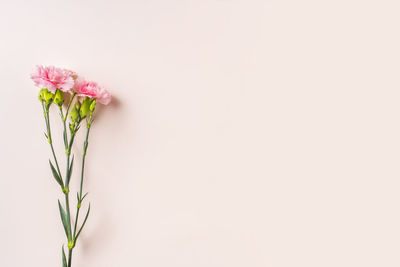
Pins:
x: 48, y: 97
x: 84, y: 110
x: 74, y: 117
x: 41, y: 94
x: 92, y: 106
x: 59, y: 97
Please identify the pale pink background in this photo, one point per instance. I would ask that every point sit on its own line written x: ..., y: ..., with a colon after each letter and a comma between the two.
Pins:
x: 243, y: 133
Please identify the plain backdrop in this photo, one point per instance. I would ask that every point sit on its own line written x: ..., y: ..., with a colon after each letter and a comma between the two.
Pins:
x: 242, y: 133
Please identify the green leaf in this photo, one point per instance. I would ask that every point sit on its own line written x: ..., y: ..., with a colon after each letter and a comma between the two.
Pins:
x: 72, y: 163
x: 64, y: 259
x: 84, y: 195
x: 83, y: 224
x: 65, y: 139
x: 55, y: 174
x: 65, y: 221
x: 69, y: 173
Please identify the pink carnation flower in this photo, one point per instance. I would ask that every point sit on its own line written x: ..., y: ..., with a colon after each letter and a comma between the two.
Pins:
x: 92, y: 90
x: 53, y: 78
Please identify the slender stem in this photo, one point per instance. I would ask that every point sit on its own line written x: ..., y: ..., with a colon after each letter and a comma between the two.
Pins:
x: 65, y: 135
x: 68, y: 152
x: 82, y: 171
x: 69, y: 257
x: 67, y: 206
x: 82, y: 175
x: 67, y: 179
x: 68, y: 211
x: 47, y: 119
x: 76, y: 219
x: 67, y: 184
x: 84, y: 157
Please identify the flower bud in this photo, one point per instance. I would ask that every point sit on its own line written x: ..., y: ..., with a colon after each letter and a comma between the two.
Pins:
x: 74, y: 117
x: 59, y: 98
x: 48, y: 98
x: 41, y: 94
x: 92, y: 106
x: 84, y: 110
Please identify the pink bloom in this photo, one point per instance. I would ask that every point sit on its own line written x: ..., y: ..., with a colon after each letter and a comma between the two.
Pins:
x: 53, y: 78
x: 71, y: 73
x: 92, y: 90
x: 104, y: 96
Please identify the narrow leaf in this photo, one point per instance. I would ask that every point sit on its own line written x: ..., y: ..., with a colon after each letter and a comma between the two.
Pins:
x: 72, y: 163
x: 65, y: 139
x: 64, y: 259
x: 84, y: 195
x: 83, y: 224
x: 55, y: 174
x: 65, y: 222
x: 70, y: 171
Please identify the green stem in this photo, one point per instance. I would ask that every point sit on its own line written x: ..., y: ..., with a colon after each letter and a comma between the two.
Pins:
x: 65, y: 135
x: 76, y: 219
x: 47, y: 119
x: 67, y: 181
x: 69, y: 257
x: 82, y: 175
x: 85, y: 146
x: 68, y: 211
x: 49, y: 139
x: 68, y: 151
x: 67, y: 207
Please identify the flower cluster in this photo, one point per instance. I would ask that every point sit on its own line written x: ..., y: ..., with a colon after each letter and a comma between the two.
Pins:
x: 55, y: 79
x: 54, y: 84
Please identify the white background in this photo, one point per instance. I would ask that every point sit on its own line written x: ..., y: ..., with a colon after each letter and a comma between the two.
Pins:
x: 242, y: 133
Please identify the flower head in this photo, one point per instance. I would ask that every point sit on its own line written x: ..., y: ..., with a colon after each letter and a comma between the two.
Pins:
x: 53, y: 78
x: 92, y: 90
